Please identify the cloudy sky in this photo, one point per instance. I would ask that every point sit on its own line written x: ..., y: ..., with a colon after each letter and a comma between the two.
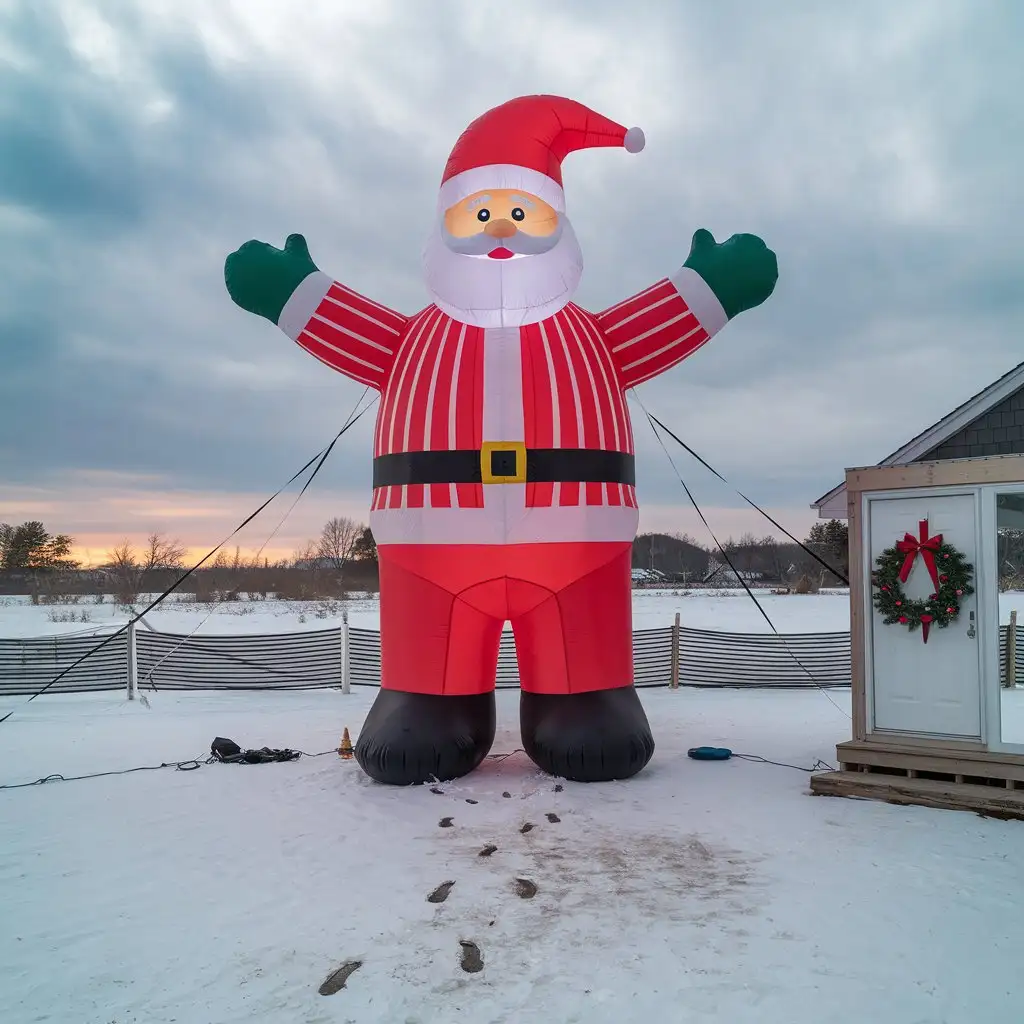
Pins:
x: 876, y: 147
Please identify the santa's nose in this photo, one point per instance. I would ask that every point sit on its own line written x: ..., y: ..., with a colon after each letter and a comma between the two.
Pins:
x: 500, y: 229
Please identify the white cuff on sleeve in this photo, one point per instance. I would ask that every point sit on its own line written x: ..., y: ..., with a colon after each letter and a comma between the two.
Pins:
x: 302, y: 303
x: 702, y: 301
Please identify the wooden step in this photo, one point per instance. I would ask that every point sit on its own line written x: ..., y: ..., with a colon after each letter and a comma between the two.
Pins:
x: 987, y: 798
x: 980, y: 766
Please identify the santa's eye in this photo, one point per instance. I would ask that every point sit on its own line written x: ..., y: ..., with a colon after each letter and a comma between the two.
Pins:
x: 483, y: 214
x: 518, y: 213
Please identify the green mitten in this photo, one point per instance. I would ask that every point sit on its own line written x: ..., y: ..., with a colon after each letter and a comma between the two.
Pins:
x: 741, y: 271
x: 261, y: 278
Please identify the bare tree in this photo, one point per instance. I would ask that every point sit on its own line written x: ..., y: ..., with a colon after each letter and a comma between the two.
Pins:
x: 305, y: 554
x: 126, y: 573
x: 162, y: 553
x: 337, y: 541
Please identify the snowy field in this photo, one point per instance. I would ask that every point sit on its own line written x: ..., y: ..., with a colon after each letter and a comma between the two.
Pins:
x: 728, y: 611
x: 695, y: 892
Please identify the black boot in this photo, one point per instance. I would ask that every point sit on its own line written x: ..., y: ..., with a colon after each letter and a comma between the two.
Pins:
x: 416, y: 737
x: 596, y: 736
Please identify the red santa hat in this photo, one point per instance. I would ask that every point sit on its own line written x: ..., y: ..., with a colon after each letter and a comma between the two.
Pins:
x: 521, y: 145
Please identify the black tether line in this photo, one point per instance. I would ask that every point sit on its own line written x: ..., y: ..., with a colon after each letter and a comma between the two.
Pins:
x: 682, y: 444
x: 352, y: 417
x: 321, y: 455
x: 750, y: 593
x: 707, y: 525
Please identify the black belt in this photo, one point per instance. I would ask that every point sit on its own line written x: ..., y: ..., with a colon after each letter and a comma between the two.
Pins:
x: 504, y: 463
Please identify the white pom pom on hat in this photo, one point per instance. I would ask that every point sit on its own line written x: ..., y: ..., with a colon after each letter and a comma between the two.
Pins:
x: 634, y: 140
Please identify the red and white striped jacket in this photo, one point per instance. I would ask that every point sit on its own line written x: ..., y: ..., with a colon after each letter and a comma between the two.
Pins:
x: 559, y: 383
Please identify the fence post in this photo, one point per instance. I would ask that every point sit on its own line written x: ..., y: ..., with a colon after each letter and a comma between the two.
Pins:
x: 675, y: 654
x: 133, y: 663
x: 346, y: 667
x: 1011, y: 652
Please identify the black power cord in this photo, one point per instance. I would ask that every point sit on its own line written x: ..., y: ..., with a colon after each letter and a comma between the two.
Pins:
x: 198, y: 762
x: 819, y: 765
x: 181, y: 766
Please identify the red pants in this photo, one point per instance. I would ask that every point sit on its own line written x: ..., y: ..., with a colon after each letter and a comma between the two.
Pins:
x: 442, y: 610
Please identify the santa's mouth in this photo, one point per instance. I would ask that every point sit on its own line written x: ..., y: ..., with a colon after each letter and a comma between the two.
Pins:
x: 501, y: 253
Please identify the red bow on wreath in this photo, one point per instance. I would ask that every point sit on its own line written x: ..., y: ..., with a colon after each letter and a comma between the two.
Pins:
x: 926, y: 546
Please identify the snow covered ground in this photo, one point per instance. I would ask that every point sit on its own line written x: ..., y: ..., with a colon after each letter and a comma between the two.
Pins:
x: 729, y: 611
x: 695, y: 892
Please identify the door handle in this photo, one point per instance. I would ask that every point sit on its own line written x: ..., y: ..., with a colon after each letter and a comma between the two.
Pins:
x: 971, y: 631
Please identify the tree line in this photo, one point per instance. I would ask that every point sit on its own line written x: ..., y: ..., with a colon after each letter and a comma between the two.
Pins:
x: 344, y: 556
x: 31, y: 546
x: 763, y: 560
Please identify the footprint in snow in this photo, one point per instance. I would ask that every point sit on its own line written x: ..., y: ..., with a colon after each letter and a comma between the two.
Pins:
x: 471, y: 960
x: 445, y: 823
x: 528, y: 827
x: 553, y: 818
x: 525, y: 889
x: 440, y: 894
x: 487, y: 850
x: 335, y: 981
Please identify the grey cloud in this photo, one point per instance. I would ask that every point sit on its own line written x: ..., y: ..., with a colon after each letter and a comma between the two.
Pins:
x: 877, y: 150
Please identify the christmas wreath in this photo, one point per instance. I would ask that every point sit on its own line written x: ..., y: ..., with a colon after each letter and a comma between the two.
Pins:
x: 950, y: 573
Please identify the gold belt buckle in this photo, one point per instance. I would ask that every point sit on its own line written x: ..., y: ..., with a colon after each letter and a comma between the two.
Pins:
x: 491, y: 448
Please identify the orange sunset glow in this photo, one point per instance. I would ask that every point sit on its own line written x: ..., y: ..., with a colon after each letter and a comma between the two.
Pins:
x: 101, y: 510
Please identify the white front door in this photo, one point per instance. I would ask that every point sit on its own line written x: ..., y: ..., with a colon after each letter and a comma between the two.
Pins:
x: 929, y: 688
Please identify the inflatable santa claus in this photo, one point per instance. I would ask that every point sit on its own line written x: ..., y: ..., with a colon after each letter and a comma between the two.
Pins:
x: 503, y: 469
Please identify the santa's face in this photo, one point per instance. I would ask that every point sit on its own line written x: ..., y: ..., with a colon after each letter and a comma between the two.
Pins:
x: 501, y: 224
x: 502, y: 257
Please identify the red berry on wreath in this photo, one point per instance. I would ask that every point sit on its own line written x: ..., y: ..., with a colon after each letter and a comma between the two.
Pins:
x: 950, y: 610
x: 943, y: 579
x: 903, y: 620
x: 959, y: 593
x: 945, y: 556
x: 898, y: 603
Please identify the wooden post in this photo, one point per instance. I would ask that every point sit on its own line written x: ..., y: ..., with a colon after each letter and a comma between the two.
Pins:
x: 675, y: 654
x: 133, y: 663
x: 346, y: 667
x: 1011, y: 652
x: 858, y: 532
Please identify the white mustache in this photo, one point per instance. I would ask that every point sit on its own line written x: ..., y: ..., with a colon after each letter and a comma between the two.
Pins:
x: 520, y: 243
x: 501, y: 293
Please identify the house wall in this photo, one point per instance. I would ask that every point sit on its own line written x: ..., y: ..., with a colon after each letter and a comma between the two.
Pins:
x: 1000, y: 431
x: 835, y: 508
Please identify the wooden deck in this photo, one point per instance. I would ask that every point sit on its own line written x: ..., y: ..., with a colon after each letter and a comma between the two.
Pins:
x: 956, y: 778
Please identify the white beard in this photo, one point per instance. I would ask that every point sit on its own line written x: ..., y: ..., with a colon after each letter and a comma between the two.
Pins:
x: 485, y: 292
